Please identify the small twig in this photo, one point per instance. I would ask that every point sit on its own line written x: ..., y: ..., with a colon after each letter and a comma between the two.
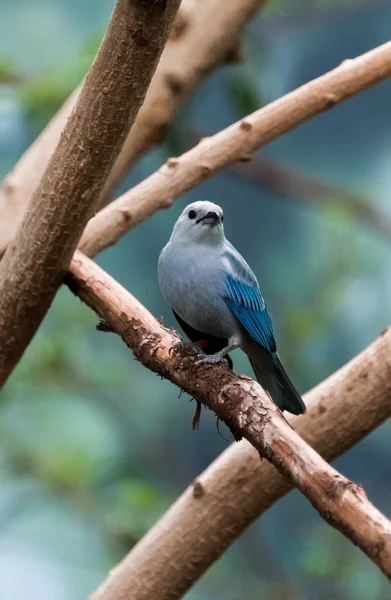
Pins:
x: 197, y: 415
x: 104, y: 326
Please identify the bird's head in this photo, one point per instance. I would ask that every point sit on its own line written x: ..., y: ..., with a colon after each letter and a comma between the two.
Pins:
x: 202, y: 222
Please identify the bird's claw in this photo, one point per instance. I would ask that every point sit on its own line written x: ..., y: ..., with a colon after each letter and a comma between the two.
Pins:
x: 210, y: 359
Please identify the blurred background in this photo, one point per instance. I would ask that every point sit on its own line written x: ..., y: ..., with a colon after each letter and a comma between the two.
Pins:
x: 93, y: 447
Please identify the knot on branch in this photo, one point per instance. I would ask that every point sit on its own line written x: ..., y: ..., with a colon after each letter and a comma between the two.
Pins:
x: 245, y: 158
x: 234, y: 54
x: 331, y: 100
x: 139, y: 37
x: 174, y: 83
x: 245, y: 125
x: 198, y: 489
x: 104, y: 326
x: 205, y: 171
x: 179, y: 27
x: 172, y: 163
x: 338, y: 485
x: 126, y: 215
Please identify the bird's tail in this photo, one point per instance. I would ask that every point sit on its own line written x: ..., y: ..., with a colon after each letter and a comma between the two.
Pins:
x: 273, y: 378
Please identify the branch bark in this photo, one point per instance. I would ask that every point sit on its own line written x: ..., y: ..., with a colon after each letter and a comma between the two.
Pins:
x: 234, y: 144
x: 238, y: 488
x: 203, y: 36
x: 243, y: 405
x: 302, y: 187
x: 37, y: 259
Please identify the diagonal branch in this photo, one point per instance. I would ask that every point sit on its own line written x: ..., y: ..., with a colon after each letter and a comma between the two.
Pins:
x: 37, y: 259
x: 203, y: 37
x: 206, y: 35
x: 238, y: 488
x: 303, y: 187
x: 234, y: 144
x: 242, y: 404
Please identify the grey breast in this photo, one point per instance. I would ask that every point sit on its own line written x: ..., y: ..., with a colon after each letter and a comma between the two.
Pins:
x: 192, y: 282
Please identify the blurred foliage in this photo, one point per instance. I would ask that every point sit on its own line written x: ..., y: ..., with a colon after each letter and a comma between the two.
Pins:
x: 293, y: 7
x: 243, y: 94
x: 43, y: 96
x: 324, y: 560
x: 9, y: 74
x: 79, y: 457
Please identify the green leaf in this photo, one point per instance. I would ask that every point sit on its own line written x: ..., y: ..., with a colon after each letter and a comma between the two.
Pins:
x: 243, y: 94
x: 9, y: 75
x: 42, y: 97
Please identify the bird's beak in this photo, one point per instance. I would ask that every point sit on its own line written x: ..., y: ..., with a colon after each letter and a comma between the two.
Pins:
x: 211, y: 218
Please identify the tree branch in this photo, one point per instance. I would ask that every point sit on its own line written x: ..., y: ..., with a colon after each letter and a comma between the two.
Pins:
x: 243, y: 405
x: 205, y: 36
x: 302, y: 187
x: 234, y: 144
x: 36, y: 261
x: 202, y: 37
x: 238, y: 487
x: 259, y: 411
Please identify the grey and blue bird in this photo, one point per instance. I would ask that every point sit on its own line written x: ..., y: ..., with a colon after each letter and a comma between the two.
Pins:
x: 216, y: 299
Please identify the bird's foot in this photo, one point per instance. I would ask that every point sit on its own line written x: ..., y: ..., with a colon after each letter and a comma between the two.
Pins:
x: 211, y: 359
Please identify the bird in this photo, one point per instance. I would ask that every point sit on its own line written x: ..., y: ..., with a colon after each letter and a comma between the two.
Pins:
x: 216, y: 300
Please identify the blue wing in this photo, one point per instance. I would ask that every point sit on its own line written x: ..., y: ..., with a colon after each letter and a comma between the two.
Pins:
x: 244, y: 298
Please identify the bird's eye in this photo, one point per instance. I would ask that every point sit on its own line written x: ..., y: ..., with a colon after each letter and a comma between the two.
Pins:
x: 222, y: 218
x: 192, y: 214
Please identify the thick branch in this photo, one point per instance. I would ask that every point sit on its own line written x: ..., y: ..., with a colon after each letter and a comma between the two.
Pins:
x: 237, y: 487
x: 205, y: 36
x: 236, y: 143
x: 36, y: 261
x: 243, y: 405
x: 202, y: 38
